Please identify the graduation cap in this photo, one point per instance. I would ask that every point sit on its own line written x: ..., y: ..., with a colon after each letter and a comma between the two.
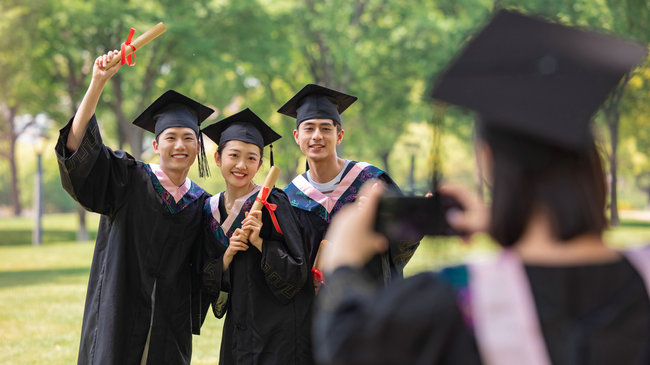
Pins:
x: 317, y: 102
x: 173, y: 109
x: 243, y: 126
x: 538, y: 79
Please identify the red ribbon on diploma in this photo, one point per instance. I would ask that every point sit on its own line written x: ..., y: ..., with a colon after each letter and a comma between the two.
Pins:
x: 261, y: 197
x: 131, y: 61
x: 318, y: 276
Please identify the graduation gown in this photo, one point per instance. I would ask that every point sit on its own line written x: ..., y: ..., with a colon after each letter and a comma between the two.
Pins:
x: 143, y: 274
x: 269, y: 297
x: 315, y: 211
x: 590, y: 314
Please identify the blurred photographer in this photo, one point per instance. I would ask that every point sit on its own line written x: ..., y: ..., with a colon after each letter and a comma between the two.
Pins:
x: 555, y: 293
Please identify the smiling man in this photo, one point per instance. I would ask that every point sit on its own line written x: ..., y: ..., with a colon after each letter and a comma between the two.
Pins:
x: 331, y: 181
x: 143, y: 299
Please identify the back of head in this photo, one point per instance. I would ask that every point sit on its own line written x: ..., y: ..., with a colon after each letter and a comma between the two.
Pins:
x: 530, y: 176
x: 536, y: 85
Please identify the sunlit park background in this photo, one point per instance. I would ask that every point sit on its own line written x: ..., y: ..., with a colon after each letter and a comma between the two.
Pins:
x: 257, y: 53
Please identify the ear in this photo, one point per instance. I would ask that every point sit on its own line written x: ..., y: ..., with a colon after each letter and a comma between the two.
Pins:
x: 217, y: 158
x: 339, y: 137
x: 155, y: 147
x: 295, y: 136
x: 198, y: 146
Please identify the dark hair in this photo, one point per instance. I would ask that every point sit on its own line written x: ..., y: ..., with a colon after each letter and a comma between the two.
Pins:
x: 568, y: 185
x: 221, y: 147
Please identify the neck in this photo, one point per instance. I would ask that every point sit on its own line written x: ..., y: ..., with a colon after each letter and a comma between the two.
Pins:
x: 233, y: 193
x: 539, y: 246
x: 176, y: 177
x: 325, y: 170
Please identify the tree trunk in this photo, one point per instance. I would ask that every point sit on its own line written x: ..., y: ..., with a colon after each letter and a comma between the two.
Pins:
x: 82, y: 233
x: 612, y: 117
x: 384, y: 161
x: 11, y: 157
x: 612, y: 123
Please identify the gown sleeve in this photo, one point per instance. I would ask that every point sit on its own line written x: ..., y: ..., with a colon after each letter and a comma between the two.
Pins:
x: 284, y: 260
x: 413, y: 321
x: 215, y: 282
x: 399, y: 252
x: 94, y: 175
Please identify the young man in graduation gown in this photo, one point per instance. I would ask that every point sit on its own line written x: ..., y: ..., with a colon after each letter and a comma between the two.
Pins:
x: 260, y: 280
x: 331, y: 181
x: 143, y: 299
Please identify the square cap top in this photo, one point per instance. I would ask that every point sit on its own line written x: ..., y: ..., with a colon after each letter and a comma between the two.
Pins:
x: 317, y: 102
x: 537, y: 78
x: 173, y: 109
x: 243, y: 126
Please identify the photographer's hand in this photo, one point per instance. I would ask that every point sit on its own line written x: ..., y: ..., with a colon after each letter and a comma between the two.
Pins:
x: 475, y: 216
x: 351, y: 238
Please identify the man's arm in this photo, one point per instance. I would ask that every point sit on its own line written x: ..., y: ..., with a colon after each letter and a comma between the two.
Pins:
x: 89, y: 103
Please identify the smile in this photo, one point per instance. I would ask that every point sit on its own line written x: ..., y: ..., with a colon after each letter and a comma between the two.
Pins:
x: 179, y: 155
x: 238, y: 174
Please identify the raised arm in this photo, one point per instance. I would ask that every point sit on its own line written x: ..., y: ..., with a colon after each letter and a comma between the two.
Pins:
x: 89, y: 102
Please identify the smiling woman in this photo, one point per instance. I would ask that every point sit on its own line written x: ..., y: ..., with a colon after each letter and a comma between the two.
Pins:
x: 259, y: 278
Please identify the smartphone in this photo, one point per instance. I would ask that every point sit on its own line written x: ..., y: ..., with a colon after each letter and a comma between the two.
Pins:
x: 409, y: 218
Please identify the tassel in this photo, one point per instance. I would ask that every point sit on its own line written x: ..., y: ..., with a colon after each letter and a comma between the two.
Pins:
x: 204, y: 169
x: 271, y: 148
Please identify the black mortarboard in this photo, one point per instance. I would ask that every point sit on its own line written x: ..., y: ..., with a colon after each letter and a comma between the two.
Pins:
x: 317, y: 102
x: 243, y: 126
x: 541, y: 79
x: 173, y: 109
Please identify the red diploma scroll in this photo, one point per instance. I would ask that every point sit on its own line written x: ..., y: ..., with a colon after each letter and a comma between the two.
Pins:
x: 143, y: 39
x: 260, y: 202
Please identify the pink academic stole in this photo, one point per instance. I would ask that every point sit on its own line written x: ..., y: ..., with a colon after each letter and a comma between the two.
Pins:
x: 503, y: 310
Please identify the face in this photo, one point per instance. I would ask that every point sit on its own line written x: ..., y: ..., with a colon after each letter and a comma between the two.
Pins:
x: 318, y: 138
x: 239, y: 162
x: 177, y: 147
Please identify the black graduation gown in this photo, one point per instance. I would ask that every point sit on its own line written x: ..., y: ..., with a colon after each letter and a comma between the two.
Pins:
x: 383, y: 268
x: 270, y: 294
x: 140, y: 245
x: 597, y: 314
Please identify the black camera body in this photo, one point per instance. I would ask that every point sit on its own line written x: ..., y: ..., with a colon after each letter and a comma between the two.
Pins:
x: 409, y: 218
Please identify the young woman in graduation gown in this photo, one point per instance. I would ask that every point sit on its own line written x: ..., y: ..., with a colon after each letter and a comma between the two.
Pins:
x: 260, y: 280
x: 143, y: 298
x: 556, y: 293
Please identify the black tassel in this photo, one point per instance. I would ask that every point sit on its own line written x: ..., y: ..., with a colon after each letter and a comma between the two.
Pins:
x: 306, y: 166
x: 271, y: 148
x: 204, y: 169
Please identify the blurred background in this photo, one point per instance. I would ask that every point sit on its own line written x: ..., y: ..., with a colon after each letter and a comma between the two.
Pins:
x: 258, y: 53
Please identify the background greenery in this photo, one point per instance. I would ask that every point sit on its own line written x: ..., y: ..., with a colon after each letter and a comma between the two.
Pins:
x: 258, y: 53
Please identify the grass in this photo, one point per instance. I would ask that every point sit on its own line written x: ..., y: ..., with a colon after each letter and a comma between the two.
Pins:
x: 43, y: 288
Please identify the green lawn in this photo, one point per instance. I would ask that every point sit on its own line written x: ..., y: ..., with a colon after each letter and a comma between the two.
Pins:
x: 42, y: 289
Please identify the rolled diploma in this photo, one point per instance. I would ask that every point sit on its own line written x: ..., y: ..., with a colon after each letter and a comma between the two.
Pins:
x: 143, y: 39
x: 269, y: 182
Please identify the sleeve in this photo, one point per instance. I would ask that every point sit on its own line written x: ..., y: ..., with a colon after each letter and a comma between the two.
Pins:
x: 94, y: 175
x: 413, y: 321
x: 215, y: 282
x: 284, y: 256
x: 400, y: 253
